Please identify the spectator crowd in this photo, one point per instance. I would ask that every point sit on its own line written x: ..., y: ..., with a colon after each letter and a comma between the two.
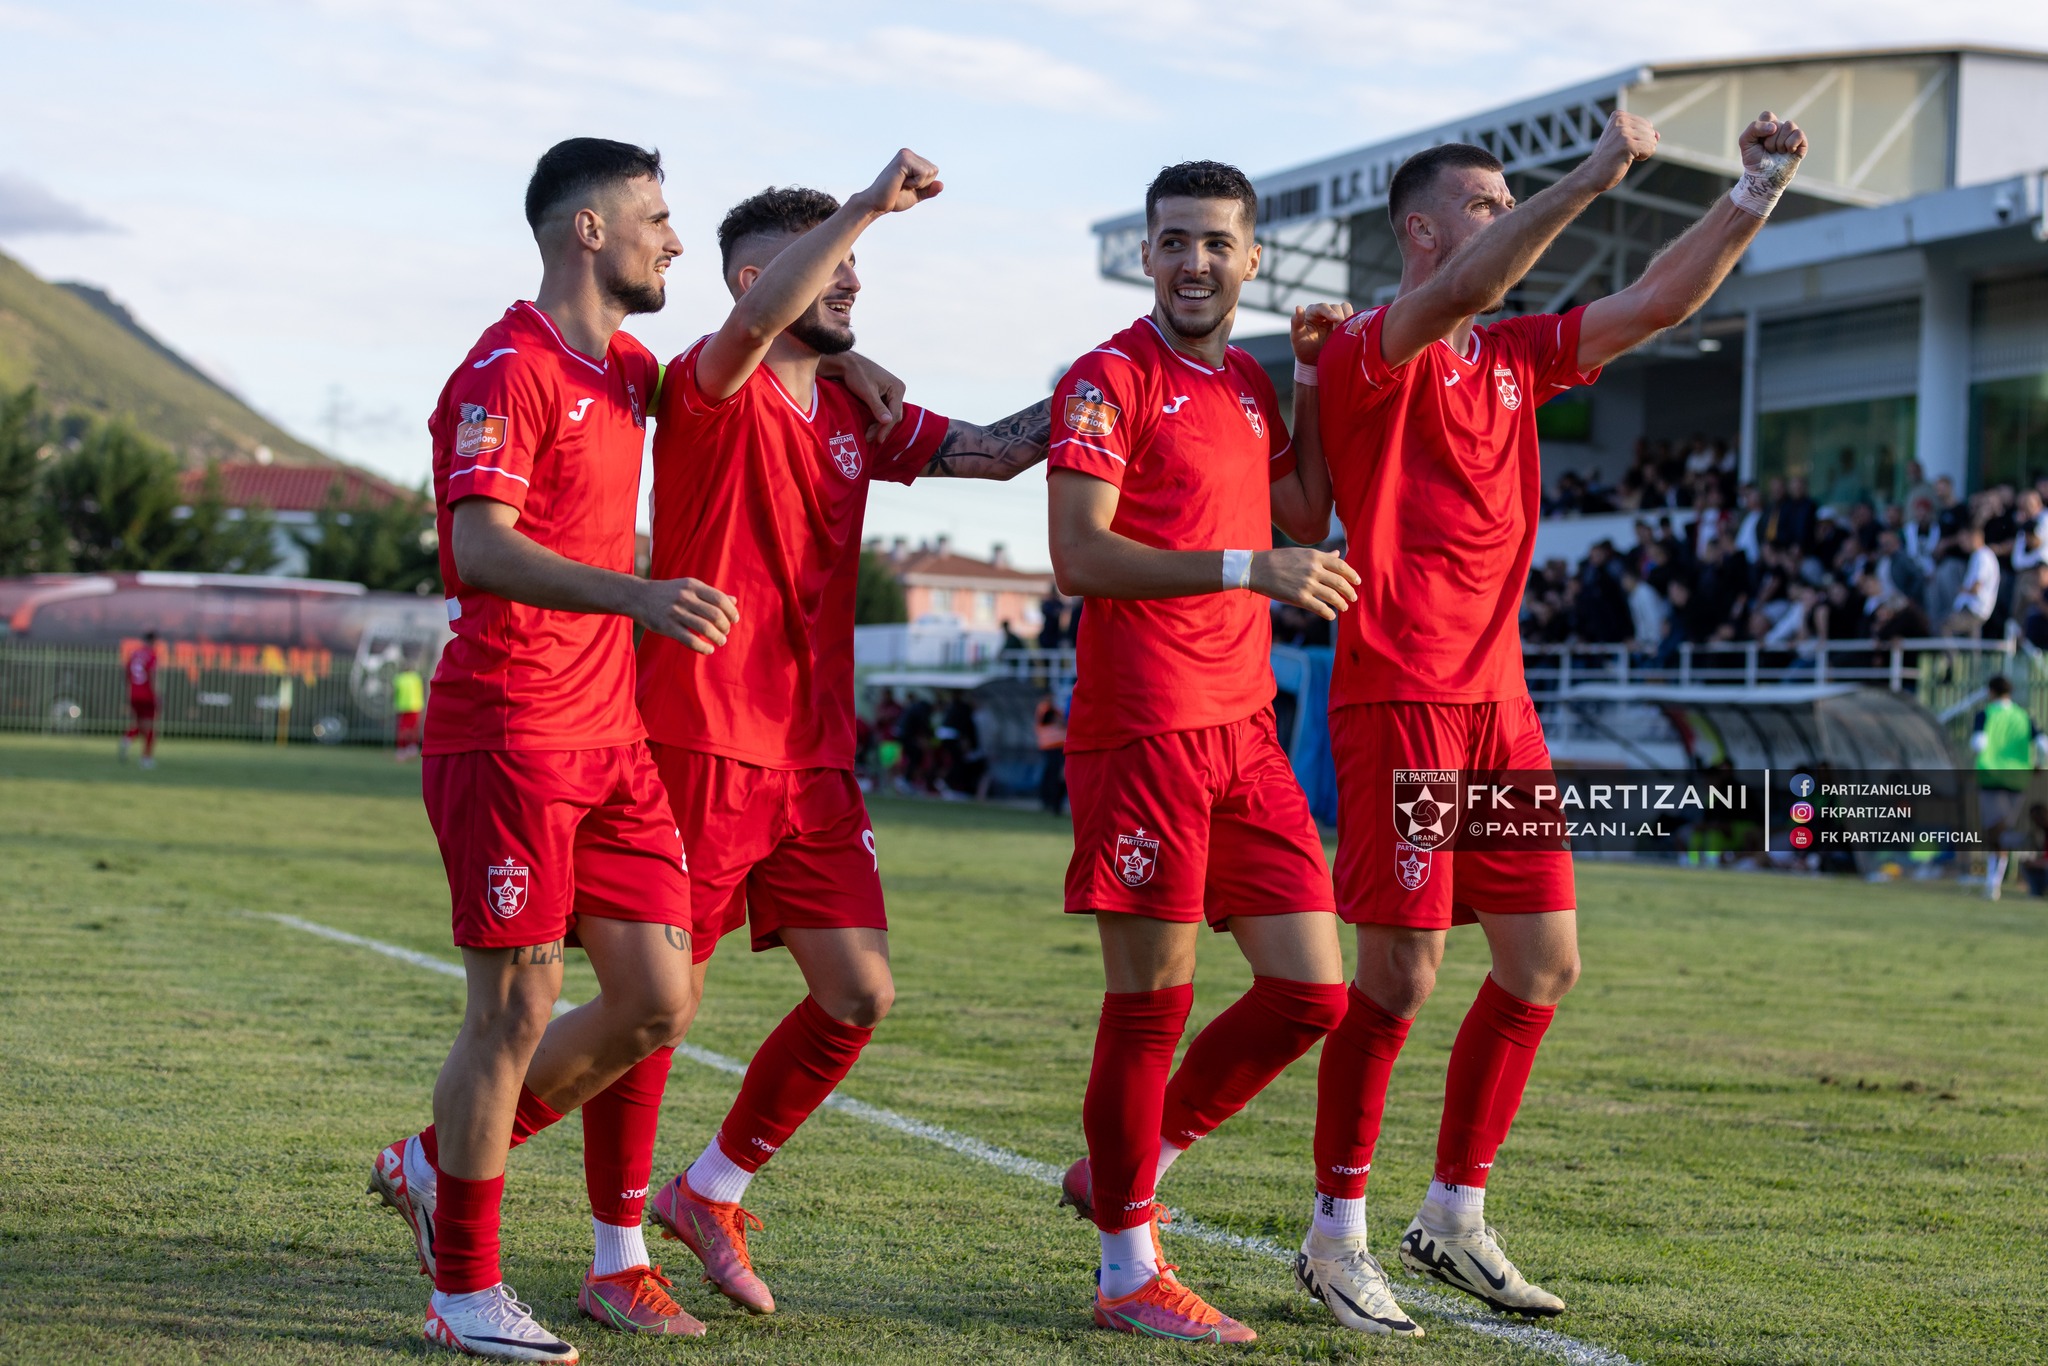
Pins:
x: 1714, y: 562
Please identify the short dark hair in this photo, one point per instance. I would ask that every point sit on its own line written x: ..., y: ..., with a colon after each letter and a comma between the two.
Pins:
x: 1999, y: 686
x: 777, y: 209
x: 579, y: 165
x: 1420, y: 171
x: 1202, y: 180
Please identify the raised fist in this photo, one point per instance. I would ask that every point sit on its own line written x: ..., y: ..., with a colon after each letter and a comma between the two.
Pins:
x: 1627, y: 139
x: 907, y: 181
x: 1312, y: 327
x: 1772, y: 148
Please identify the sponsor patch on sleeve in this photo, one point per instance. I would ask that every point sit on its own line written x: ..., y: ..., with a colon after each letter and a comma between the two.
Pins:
x: 479, y: 432
x: 1088, y: 412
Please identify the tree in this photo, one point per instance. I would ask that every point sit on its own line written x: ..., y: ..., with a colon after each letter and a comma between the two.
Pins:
x: 390, y: 547
x: 29, y: 543
x: 116, y: 501
x: 878, y: 593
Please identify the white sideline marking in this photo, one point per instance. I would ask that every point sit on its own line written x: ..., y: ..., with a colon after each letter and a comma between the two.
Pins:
x: 1413, y: 1293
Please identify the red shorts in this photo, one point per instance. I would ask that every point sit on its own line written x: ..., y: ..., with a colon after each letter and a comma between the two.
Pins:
x: 533, y: 839
x: 1384, y: 880
x: 408, y: 728
x: 780, y: 848
x: 1194, y: 825
x: 143, y: 704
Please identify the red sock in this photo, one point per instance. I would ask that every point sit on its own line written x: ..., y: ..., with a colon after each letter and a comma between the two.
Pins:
x: 466, y: 1234
x: 1127, y: 1096
x: 1351, y: 1093
x: 795, y: 1069
x: 529, y: 1117
x: 1490, y: 1065
x: 1240, y: 1052
x: 618, y: 1139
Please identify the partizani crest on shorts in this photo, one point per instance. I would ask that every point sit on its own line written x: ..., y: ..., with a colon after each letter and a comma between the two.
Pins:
x: 1411, y: 865
x: 846, y: 455
x: 1426, y: 806
x: 1504, y: 380
x: 1137, y: 857
x: 506, y: 886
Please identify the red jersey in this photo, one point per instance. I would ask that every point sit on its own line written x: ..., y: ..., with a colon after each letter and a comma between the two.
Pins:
x: 1192, y: 450
x: 764, y: 498
x: 142, y: 672
x: 1435, y: 470
x: 530, y: 422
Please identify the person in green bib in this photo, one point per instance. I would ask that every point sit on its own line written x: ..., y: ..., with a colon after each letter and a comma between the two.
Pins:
x: 2007, y: 743
x: 408, y: 701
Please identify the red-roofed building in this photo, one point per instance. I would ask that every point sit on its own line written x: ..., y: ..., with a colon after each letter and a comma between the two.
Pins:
x: 942, y: 585
x: 294, y: 494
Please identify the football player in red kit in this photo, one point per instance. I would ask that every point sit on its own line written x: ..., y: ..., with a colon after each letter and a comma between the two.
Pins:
x: 1428, y: 421
x: 1170, y: 464
x: 761, y: 474
x: 141, y: 667
x: 550, y: 816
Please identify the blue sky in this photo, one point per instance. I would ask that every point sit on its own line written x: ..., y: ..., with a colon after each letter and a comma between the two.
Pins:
x: 320, y: 202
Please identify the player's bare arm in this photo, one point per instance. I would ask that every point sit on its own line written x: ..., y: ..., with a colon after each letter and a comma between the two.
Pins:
x: 1091, y: 560
x: 1302, y: 500
x: 776, y: 295
x: 1685, y: 274
x: 493, y: 555
x: 1449, y: 277
x: 1003, y: 449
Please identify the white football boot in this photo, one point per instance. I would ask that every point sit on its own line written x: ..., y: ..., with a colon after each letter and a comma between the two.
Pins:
x: 1464, y: 1252
x: 1344, y: 1275
x: 492, y: 1323
x: 414, y: 1201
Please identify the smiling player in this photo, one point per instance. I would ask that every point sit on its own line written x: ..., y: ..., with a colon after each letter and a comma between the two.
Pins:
x: 762, y: 467
x: 1429, y: 424
x: 1170, y: 466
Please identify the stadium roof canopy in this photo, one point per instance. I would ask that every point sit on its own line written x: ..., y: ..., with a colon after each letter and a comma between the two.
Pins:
x: 1884, y: 125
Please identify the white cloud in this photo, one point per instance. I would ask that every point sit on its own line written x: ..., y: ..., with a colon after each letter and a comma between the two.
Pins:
x: 26, y: 207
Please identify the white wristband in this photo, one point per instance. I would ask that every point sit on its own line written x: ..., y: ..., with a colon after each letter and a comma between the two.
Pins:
x: 1304, y: 373
x: 1757, y: 192
x: 1237, y: 569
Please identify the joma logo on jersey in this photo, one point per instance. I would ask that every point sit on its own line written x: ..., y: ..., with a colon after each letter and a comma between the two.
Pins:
x: 1504, y: 380
x: 506, y: 885
x: 1252, y: 414
x: 846, y: 455
x: 479, y: 432
x: 1425, y: 808
x: 1088, y: 412
x: 1137, y: 857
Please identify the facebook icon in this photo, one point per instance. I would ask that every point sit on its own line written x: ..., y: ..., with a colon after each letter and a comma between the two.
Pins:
x: 1802, y: 785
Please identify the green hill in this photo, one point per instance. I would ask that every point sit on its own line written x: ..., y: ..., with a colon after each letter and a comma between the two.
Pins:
x: 83, y: 350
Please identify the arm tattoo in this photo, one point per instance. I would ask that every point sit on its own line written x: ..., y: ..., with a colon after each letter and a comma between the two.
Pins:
x: 1001, y: 450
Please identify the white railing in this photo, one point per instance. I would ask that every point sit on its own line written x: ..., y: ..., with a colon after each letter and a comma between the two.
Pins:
x: 1896, y: 665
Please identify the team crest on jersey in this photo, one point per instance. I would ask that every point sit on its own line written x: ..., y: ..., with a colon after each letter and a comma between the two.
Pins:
x: 846, y: 455
x: 1252, y: 414
x: 1510, y: 393
x: 1425, y: 806
x: 1411, y: 865
x: 506, y: 884
x: 1137, y: 857
x: 479, y: 431
x: 1088, y: 412
x: 633, y: 402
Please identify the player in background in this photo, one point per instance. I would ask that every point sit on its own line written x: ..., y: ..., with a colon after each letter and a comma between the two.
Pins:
x: 2006, y: 742
x: 1428, y: 421
x: 550, y: 816
x: 141, y: 667
x: 408, y: 702
x: 762, y: 467
x: 1170, y: 465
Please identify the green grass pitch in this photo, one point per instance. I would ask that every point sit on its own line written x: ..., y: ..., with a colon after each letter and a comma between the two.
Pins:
x: 1781, y: 1120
